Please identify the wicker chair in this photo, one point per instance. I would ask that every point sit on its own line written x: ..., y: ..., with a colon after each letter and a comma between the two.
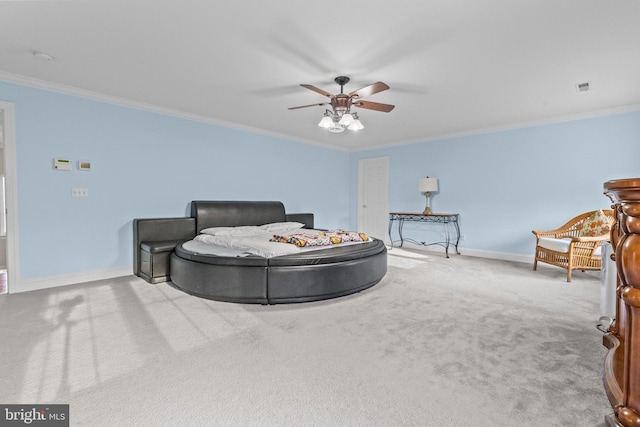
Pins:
x: 566, y: 247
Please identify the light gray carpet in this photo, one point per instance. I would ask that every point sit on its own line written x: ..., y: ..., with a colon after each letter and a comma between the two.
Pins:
x: 439, y: 342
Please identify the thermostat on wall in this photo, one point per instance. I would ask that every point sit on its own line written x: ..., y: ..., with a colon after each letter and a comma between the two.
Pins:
x: 84, y: 165
x: 62, y: 164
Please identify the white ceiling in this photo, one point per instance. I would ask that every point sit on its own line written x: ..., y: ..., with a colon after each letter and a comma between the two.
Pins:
x: 454, y: 67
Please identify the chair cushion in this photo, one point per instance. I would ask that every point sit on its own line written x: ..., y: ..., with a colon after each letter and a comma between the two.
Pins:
x: 556, y: 245
x: 560, y: 245
x: 596, y: 224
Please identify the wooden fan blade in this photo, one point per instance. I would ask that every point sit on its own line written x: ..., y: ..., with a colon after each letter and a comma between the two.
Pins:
x: 374, y: 106
x: 369, y: 90
x: 320, y: 91
x: 310, y: 105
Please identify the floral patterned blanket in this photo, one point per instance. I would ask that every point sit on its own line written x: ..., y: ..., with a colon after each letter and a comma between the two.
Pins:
x: 321, y: 238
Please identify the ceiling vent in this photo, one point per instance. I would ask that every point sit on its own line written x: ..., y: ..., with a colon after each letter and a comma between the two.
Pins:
x: 583, y: 87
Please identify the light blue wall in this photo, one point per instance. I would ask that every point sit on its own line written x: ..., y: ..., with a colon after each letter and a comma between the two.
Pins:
x: 505, y: 184
x: 145, y: 165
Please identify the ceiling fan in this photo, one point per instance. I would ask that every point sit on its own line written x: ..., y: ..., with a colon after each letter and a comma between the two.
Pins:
x: 340, y: 117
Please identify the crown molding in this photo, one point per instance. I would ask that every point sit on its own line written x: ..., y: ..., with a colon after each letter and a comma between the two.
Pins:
x: 518, y: 125
x: 124, y: 102
x: 97, y: 96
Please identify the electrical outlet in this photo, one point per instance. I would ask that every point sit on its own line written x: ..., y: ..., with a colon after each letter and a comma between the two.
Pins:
x: 463, y: 237
x: 79, y: 192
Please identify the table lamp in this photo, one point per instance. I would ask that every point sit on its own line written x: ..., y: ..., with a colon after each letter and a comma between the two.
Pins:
x: 428, y: 185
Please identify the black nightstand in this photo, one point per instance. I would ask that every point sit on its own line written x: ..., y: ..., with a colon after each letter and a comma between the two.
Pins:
x: 154, y: 260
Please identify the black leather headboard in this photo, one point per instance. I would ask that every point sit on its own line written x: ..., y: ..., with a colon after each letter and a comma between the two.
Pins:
x: 234, y: 213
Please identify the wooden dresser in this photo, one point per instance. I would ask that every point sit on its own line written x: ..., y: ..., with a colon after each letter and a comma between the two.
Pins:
x: 622, y: 363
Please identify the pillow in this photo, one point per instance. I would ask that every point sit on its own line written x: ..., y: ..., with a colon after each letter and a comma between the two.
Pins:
x: 596, y: 224
x: 279, y: 226
x: 243, y: 230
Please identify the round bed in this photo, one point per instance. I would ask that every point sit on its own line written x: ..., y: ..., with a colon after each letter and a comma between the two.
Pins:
x: 309, y: 276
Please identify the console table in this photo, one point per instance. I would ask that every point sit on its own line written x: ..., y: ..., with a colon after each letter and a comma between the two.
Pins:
x: 448, y: 220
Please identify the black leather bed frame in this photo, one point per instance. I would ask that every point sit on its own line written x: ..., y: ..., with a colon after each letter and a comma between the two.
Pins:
x: 311, y: 276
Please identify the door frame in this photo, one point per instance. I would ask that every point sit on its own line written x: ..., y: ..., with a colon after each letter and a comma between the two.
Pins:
x: 11, y: 194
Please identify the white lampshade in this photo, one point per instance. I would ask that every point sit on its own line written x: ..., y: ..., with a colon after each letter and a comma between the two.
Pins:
x: 428, y: 185
x: 336, y: 128
x: 326, y: 122
x: 346, y: 119
x: 355, y: 125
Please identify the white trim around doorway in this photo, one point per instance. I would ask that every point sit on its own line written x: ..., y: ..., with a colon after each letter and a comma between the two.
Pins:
x: 11, y: 177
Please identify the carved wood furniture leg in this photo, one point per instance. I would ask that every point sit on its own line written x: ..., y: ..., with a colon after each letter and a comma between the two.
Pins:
x: 622, y: 364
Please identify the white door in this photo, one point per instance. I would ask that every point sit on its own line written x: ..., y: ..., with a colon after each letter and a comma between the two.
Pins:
x: 373, y: 195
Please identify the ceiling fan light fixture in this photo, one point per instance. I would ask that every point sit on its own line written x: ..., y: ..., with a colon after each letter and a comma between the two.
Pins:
x: 336, y: 128
x: 346, y: 119
x: 355, y: 125
x: 340, y: 117
x: 326, y: 122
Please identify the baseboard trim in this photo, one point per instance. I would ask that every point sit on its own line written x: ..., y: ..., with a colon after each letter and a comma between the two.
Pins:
x: 34, y: 284
x: 505, y: 256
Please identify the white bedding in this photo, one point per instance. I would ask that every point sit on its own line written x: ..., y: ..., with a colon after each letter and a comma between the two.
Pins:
x: 256, y: 244
x: 202, y: 248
